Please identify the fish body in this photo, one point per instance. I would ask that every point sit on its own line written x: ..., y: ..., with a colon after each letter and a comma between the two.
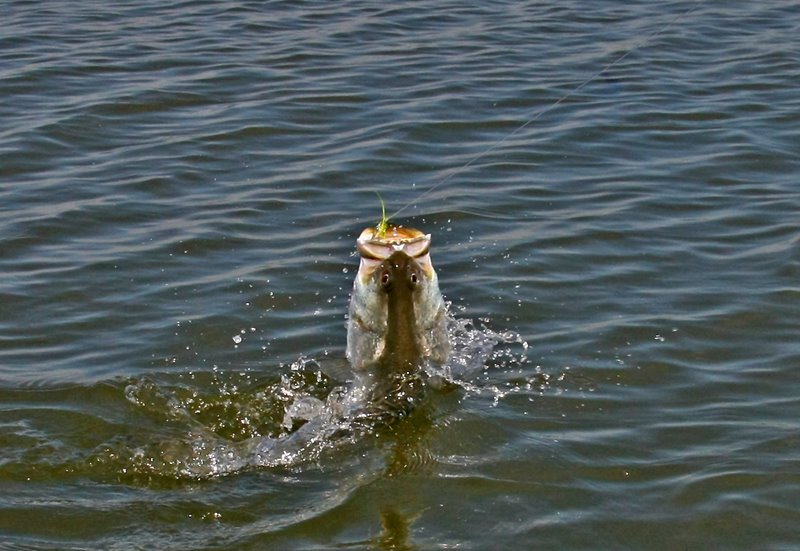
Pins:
x: 397, y: 317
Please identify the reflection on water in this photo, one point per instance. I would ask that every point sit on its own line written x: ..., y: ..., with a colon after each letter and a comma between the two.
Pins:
x: 396, y: 533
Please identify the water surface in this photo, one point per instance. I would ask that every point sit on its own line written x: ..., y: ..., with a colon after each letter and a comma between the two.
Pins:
x: 180, y: 190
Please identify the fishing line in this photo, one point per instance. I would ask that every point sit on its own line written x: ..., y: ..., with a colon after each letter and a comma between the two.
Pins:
x: 536, y: 116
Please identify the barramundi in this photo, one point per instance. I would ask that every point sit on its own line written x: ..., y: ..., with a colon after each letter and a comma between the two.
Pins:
x: 398, y: 323
x: 397, y: 317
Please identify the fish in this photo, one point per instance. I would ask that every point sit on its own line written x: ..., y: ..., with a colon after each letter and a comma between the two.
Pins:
x: 397, y: 323
x: 397, y: 317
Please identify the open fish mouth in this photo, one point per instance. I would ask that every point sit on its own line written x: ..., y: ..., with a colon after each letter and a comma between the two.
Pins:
x: 375, y: 248
x: 396, y: 238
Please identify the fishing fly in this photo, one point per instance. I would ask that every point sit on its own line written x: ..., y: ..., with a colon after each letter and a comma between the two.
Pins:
x: 383, y: 224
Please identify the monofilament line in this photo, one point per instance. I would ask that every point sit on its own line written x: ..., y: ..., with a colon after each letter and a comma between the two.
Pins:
x: 536, y: 116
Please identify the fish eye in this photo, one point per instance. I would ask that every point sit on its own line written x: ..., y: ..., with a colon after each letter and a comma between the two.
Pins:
x: 414, y: 278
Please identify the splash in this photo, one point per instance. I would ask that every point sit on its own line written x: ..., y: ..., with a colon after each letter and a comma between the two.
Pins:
x: 216, y: 424
x: 478, y: 350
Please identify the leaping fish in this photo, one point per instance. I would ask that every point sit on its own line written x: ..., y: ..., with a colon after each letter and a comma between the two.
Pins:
x: 397, y: 323
x: 397, y: 317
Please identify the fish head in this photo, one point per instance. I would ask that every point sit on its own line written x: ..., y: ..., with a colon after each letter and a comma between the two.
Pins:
x: 396, y: 309
x: 400, y: 275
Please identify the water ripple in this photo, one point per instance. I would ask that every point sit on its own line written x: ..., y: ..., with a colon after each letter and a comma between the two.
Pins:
x: 180, y: 189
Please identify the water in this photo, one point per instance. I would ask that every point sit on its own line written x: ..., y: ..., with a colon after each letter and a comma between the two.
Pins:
x: 180, y: 190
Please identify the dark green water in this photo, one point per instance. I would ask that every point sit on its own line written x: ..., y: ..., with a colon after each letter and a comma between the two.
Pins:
x: 181, y: 186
